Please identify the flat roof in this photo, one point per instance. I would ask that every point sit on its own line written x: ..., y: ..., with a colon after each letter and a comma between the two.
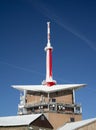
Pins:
x: 47, y: 89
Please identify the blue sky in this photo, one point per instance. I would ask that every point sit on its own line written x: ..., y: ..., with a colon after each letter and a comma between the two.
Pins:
x: 23, y: 38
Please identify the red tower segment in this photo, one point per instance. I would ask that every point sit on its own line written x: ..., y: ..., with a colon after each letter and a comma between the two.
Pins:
x: 49, y: 80
x: 50, y: 62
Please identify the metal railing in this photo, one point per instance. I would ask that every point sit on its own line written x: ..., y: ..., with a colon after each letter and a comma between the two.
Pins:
x: 56, y: 107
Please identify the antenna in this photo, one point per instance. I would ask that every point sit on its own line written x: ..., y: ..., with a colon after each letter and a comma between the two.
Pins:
x: 49, y: 78
x: 48, y: 34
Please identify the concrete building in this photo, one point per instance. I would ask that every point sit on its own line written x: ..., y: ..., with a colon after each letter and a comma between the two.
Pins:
x: 25, y: 122
x: 89, y: 124
x: 56, y: 101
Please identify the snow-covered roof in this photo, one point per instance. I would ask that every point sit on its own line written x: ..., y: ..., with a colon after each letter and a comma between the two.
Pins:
x: 76, y: 125
x: 18, y: 120
x: 46, y: 89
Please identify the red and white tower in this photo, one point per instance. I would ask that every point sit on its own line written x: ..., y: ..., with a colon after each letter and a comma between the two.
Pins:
x: 56, y: 100
x: 49, y: 80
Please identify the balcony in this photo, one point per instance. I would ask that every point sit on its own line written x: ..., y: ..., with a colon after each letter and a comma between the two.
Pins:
x: 54, y: 107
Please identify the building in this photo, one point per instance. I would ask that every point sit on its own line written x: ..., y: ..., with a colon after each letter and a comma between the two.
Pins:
x: 56, y: 101
x: 25, y: 122
x: 89, y: 124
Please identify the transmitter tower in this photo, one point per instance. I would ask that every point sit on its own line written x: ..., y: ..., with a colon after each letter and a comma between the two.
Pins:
x: 56, y: 101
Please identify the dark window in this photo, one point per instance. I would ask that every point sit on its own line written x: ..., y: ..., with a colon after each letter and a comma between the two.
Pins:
x: 72, y: 119
x: 53, y: 100
x: 56, y: 93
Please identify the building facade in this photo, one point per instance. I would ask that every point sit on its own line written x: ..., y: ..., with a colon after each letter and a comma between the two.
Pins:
x: 88, y: 124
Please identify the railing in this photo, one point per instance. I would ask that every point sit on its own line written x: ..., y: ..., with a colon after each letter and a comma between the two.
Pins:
x: 28, y: 105
x: 56, y: 107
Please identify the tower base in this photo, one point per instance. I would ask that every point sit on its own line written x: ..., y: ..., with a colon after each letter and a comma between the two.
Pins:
x: 49, y: 83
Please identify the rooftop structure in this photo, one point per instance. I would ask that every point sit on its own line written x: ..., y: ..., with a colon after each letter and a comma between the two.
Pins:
x: 57, y: 101
x: 46, y: 89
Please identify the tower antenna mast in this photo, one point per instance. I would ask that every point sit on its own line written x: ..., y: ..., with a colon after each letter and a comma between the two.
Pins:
x: 49, y: 79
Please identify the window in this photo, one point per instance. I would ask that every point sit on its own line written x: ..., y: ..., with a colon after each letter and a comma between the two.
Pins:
x: 72, y: 119
x: 42, y: 117
x: 53, y: 100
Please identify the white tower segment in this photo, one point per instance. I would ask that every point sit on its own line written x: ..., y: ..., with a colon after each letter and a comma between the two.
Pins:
x: 48, y: 34
x: 49, y: 80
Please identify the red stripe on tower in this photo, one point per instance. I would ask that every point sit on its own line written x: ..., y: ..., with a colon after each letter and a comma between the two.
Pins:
x: 50, y: 62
